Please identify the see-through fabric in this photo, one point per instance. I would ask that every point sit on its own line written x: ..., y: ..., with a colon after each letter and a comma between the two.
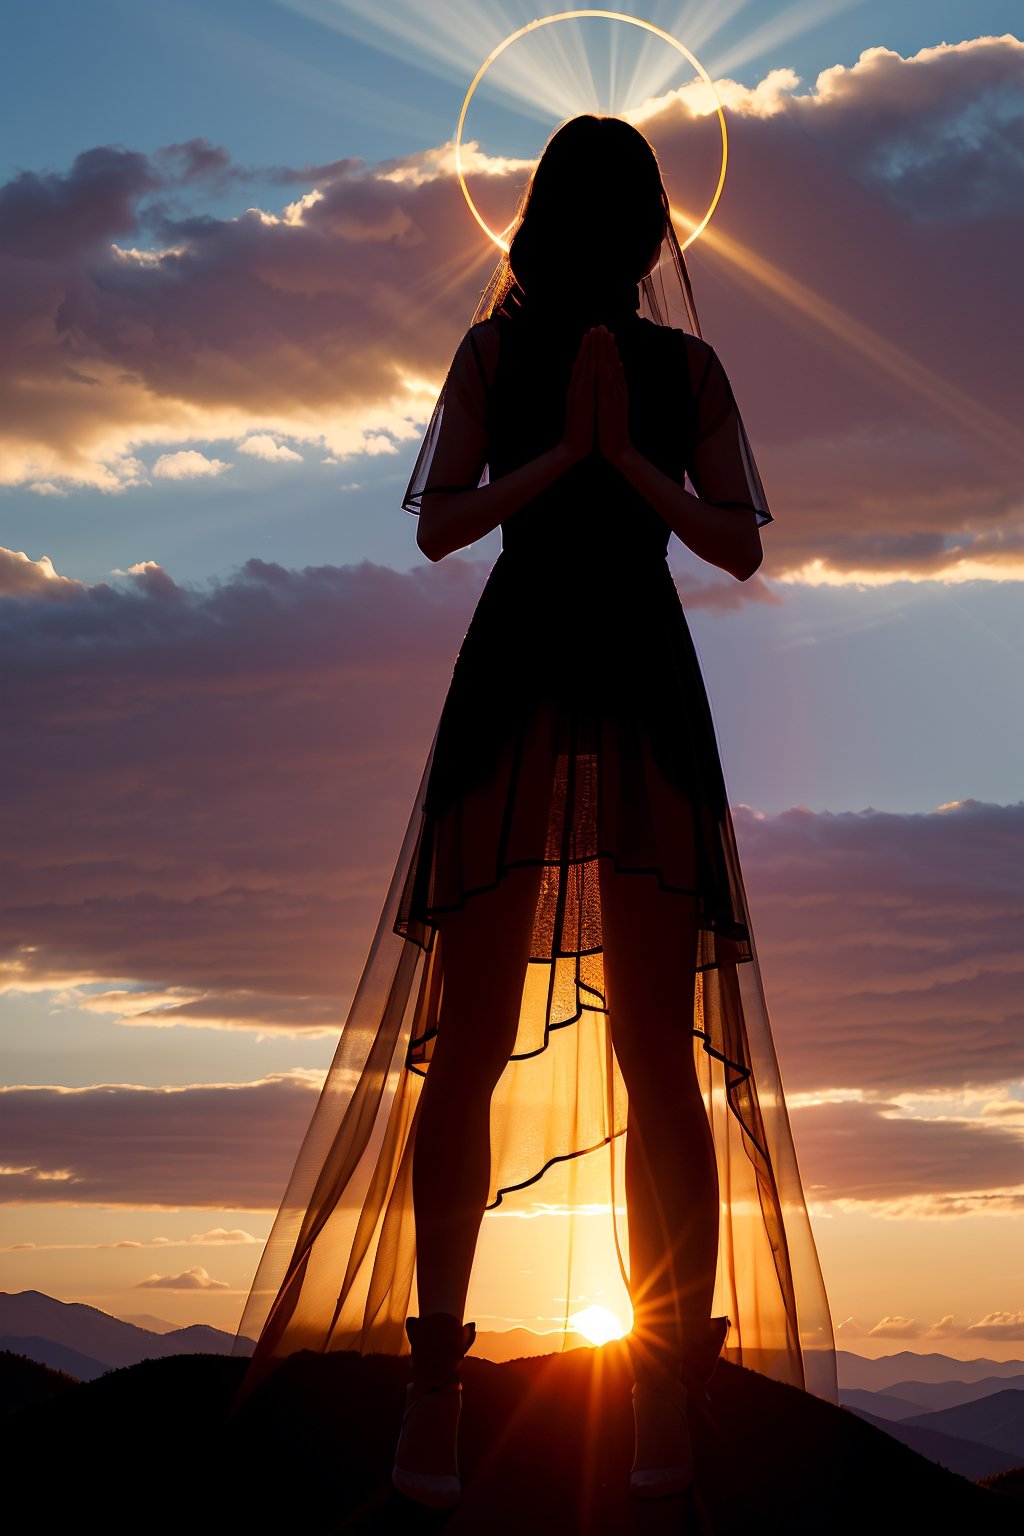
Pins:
x: 576, y: 727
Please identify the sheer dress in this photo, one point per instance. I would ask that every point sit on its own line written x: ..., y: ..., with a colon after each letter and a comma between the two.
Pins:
x: 576, y: 726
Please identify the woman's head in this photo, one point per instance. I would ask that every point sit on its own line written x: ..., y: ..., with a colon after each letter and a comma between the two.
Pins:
x: 597, y: 188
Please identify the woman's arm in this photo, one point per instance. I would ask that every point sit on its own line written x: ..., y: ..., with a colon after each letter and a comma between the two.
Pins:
x: 719, y: 525
x: 456, y: 510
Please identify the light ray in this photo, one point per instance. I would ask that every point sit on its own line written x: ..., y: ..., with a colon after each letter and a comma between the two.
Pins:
x: 655, y: 71
x: 763, y: 278
x: 794, y: 21
x: 555, y: 80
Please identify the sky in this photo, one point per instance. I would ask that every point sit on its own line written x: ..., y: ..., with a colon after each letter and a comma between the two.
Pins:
x: 234, y: 266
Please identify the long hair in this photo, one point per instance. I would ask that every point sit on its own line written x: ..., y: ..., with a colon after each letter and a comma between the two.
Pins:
x: 596, y: 188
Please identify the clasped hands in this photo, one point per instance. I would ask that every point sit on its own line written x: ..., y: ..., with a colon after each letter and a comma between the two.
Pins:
x: 597, y: 403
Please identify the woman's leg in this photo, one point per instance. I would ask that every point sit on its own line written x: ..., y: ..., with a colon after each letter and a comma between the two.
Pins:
x: 650, y: 942
x: 485, y: 949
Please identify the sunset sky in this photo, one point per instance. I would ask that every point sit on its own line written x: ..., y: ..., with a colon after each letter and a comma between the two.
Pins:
x: 234, y: 266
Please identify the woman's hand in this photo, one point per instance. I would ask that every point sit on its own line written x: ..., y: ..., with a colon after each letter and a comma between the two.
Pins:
x: 613, y: 438
x: 581, y: 403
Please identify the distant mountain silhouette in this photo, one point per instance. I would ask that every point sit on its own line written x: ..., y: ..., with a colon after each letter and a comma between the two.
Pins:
x: 59, y: 1357
x: 882, y: 1405
x: 857, y: 1371
x: 148, y: 1321
x: 997, y: 1420
x: 930, y: 1396
x: 41, y: 1327
x: 968, y: 1458
x: 546, y: 1448
x: 523, y: 1344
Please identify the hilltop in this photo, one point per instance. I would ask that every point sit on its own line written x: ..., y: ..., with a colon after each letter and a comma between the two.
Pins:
x: 546, y: 1447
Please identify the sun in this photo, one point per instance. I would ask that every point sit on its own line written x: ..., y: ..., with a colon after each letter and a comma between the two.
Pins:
x: 598, y: 1324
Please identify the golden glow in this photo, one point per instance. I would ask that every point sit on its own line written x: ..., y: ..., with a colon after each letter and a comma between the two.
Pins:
x: 546, y: 21
x: 598, y: 1324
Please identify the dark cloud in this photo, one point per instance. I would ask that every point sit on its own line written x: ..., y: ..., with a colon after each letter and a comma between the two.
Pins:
x: 856, y: 281
x: 225, y: 1147
x: 876, y: 1152
x: 203, y: 792
x: 51, y: 217
x: 891, y: 944
x: 232, y: 1147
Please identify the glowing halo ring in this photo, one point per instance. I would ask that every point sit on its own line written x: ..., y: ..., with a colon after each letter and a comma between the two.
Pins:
x: 546, y: 21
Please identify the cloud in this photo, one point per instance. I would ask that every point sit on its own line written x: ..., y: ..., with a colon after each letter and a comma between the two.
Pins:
x: 21, y: 576
x: 218, y: 1235
x: 225, y: 1147
x: 215, y: 1238
x: 871, y: 1152
x: 187, y: 464
x: 250, y: 753
x: 896, y: 1328
x: 232, y: 1147
x: 262, y: 446
x: 945, y: 1328
x: 891, y: 944
x: 997, y: 1326
x: 855, y: 280
x: 195, y: 1279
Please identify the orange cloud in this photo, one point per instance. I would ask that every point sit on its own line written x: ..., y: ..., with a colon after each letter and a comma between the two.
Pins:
x: 197, y: 1279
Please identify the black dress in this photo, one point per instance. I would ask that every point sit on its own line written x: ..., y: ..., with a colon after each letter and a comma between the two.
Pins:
x: 576, y: 726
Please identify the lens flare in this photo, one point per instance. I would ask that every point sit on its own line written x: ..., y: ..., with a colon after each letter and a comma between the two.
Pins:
x: 547, y: 21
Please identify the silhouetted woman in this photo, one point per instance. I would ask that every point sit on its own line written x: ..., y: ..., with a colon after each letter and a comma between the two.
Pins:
x: 566, y: 930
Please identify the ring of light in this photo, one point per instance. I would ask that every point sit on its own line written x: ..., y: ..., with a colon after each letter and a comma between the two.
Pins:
x: 546, y: 21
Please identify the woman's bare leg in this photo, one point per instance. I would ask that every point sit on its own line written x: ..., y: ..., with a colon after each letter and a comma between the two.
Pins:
x: 650, y: 941
x: 485, y: 952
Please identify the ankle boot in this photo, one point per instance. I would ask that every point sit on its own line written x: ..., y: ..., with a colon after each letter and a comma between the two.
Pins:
x: 426, y: 1458
x: 670, y: 1385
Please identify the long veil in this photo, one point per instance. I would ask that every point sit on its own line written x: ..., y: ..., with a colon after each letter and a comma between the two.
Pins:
x: 339, y: 1269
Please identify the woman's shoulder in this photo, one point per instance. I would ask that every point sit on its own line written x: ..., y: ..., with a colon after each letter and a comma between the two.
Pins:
x: 673, y: 336
x: 477, y: 353
x: 484, y: 334
x: 680, y: 347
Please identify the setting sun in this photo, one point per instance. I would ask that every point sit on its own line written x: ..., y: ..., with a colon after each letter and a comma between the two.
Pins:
x: 598, y: 1324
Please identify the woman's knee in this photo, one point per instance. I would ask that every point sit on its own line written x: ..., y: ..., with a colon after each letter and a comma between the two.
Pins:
x: 658, y: 1081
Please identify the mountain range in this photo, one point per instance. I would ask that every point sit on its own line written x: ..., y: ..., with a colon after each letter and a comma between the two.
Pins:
x: 85, y: 1342
x: 888, y: 1371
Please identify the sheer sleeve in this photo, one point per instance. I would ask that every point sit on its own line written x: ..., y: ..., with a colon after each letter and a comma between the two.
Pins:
x: 721, y: 464
x: 453, y: 453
